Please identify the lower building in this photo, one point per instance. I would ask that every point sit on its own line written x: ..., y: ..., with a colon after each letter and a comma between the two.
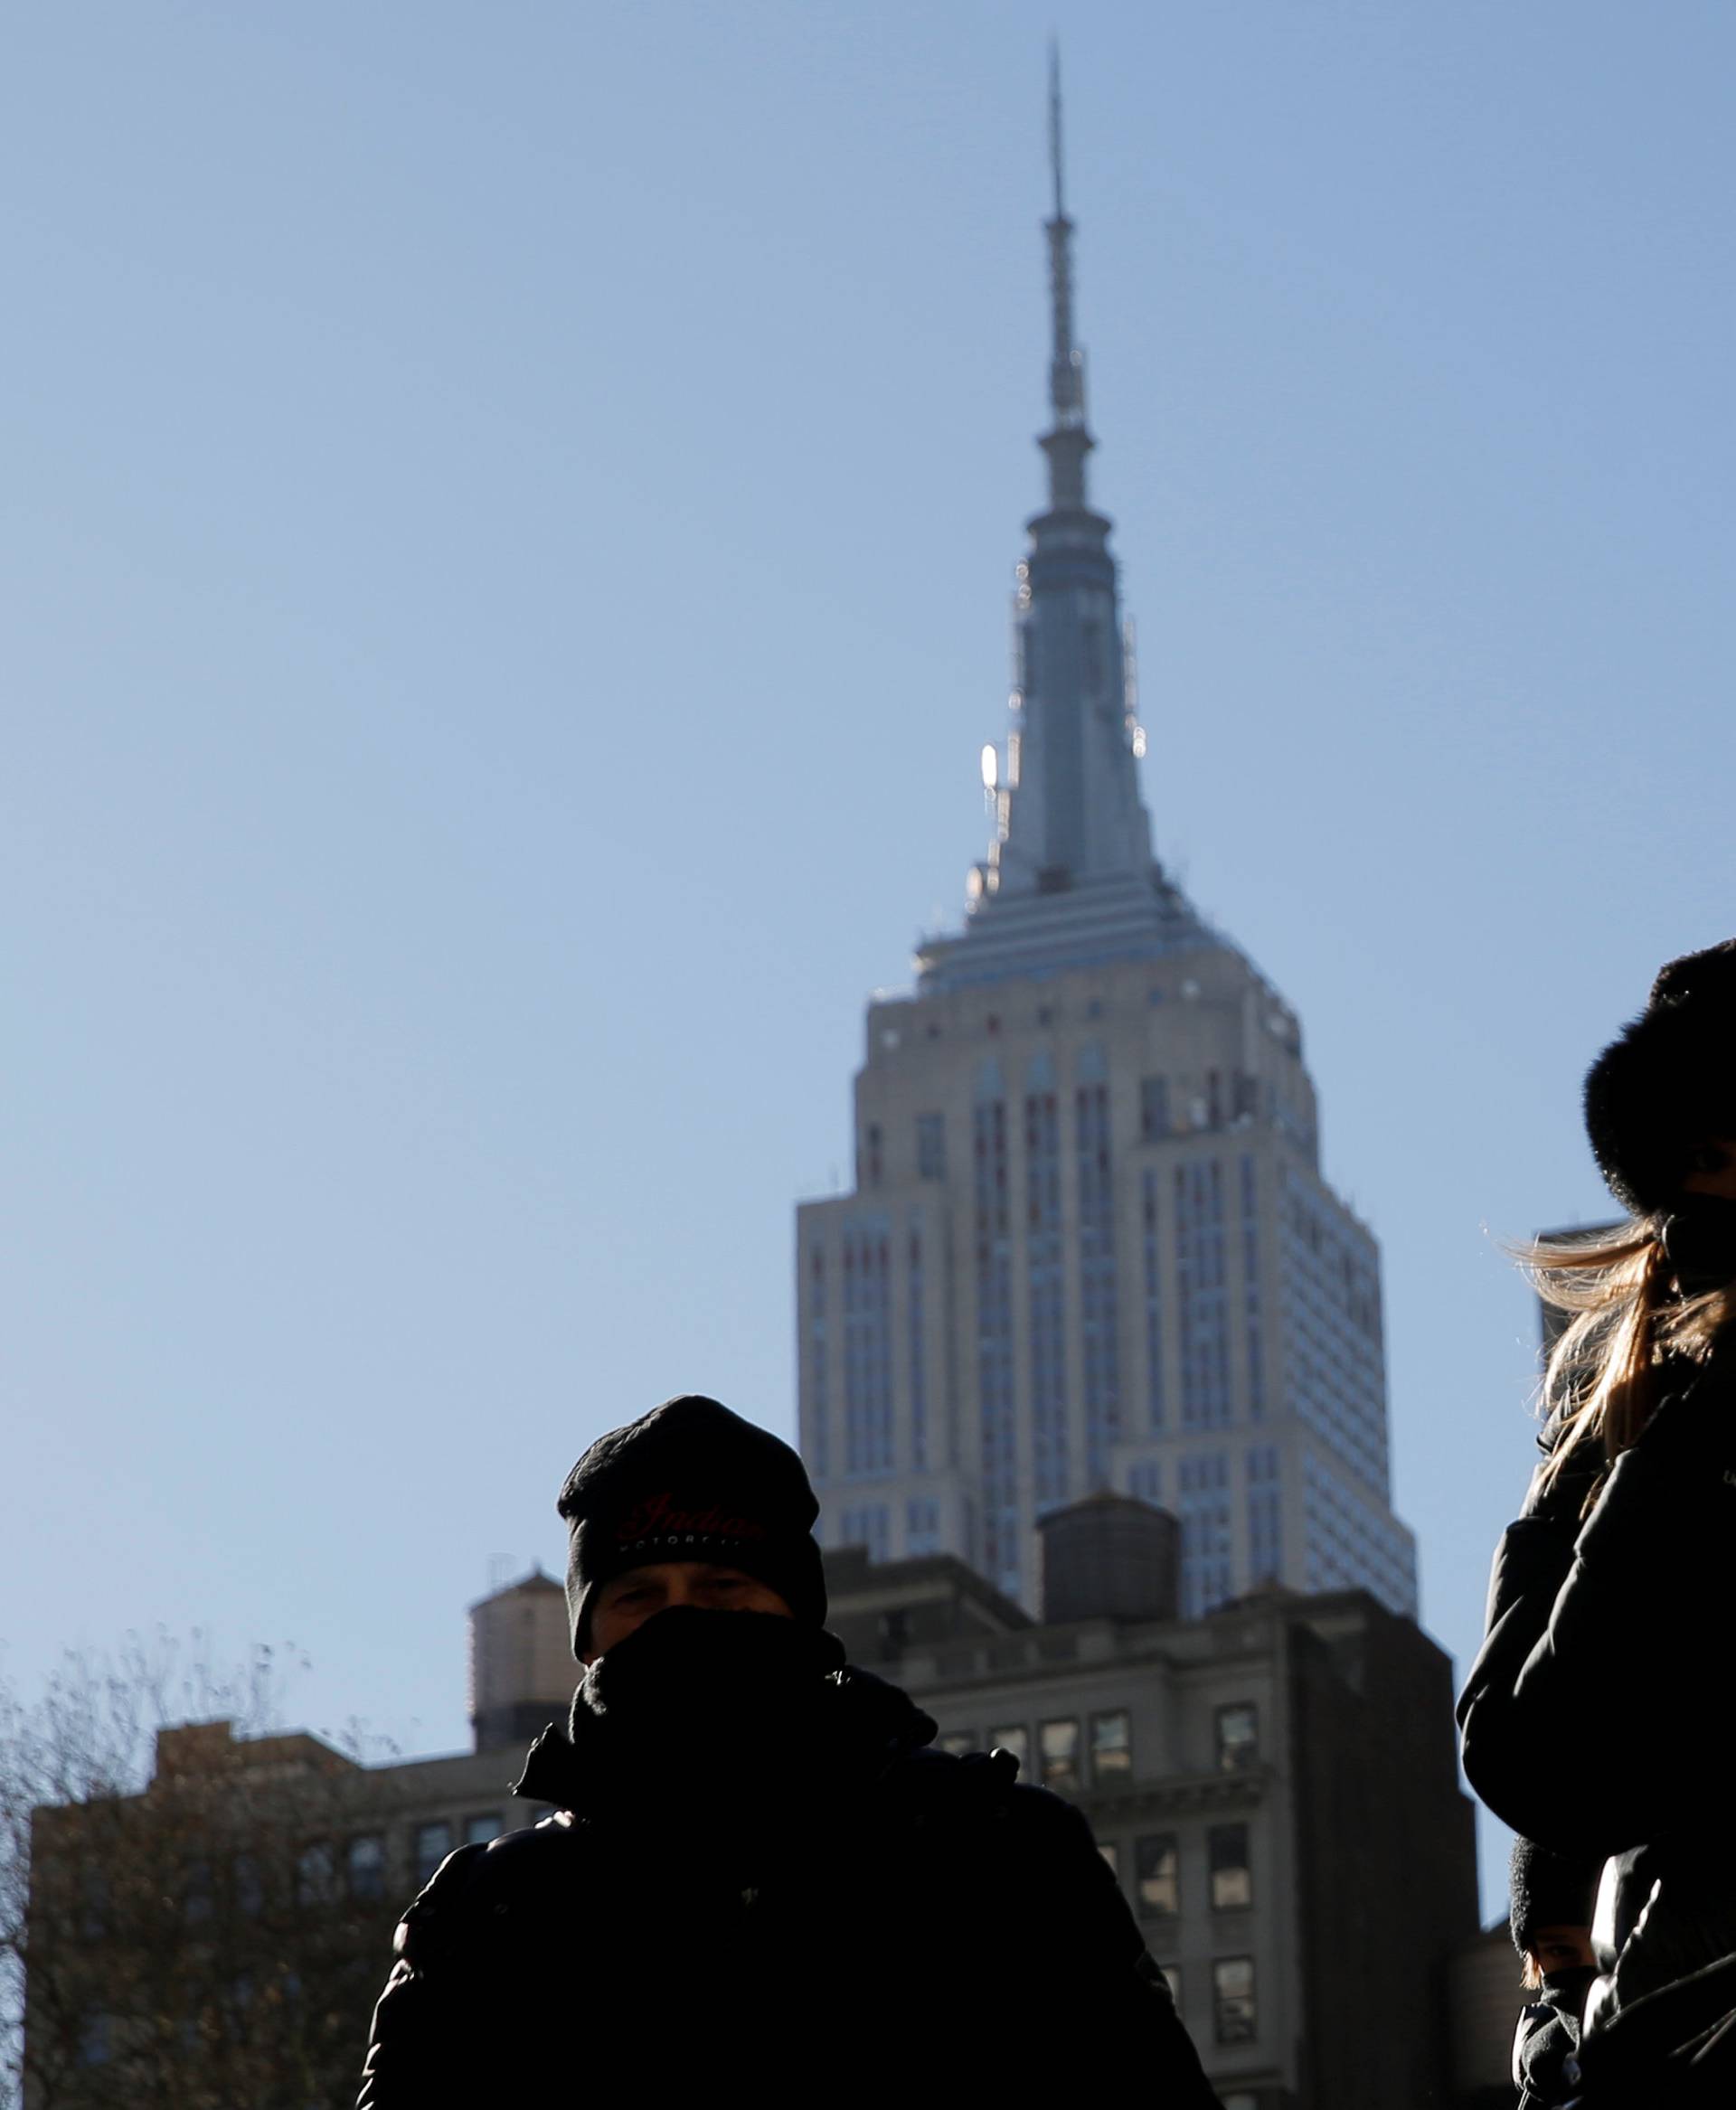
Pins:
x: 1486, y: 1990
x: 221, y: 1937
x: 1274, y: 1785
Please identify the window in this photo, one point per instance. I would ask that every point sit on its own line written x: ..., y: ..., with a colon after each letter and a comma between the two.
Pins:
x: 1111, y: 1746
x: 1233, y: 1999
x: 433, y: 1843
x: 1232, y: 1883
x: 867, y: 1345
x: 367, y: 1867
x: 959, y: 1741
x: 1060, y: 1756
x: 1238, y: 1737
x: 870, y: 1157
x: 931, y: 1146
x: 316, y: 1870
x: 196, y: 1901
x: 479, y: 1830
x: 1090, y: 637
x: 1156, y: 1877
x: 1016, y: 1739
x: 870, y: 1526
x: 1111, y: 1853
x: 249, y: 1886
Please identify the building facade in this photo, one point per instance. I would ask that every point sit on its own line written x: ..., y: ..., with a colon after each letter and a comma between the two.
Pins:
x: 1273, y: 1785
x: 1089, y: 1245
x: 221, y: 1937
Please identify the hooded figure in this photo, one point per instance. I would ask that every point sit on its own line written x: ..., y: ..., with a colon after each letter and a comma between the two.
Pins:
x: 1551, y: 1899
x: 760, y: 1877
x: 1588, y: 1715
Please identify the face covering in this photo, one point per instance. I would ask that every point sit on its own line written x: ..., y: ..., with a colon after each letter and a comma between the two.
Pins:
x: 1700, y: 1240
x: 709, y: 1675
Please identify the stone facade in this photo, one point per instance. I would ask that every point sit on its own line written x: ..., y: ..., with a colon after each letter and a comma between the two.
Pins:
x: 1274, y: 1786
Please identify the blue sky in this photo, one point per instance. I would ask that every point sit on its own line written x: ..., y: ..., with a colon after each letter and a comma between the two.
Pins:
x: 507, y: 537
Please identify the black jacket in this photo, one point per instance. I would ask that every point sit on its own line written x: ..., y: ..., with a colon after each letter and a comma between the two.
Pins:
x: 849, y: 1915
x: 1589, y: 1720
x: 1547, y: 2043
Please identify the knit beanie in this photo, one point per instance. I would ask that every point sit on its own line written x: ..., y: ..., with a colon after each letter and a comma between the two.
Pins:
x: 1667, y: 1082
x: 1548, y: 1889
x: 689, y: 1481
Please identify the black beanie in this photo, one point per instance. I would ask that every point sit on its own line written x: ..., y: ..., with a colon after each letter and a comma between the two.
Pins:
x: 1667, y: 1082
x: 1548, y: 1889
x: 689, y: 1481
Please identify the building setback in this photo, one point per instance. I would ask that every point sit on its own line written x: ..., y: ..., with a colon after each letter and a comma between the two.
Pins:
x: 1090, y: 1246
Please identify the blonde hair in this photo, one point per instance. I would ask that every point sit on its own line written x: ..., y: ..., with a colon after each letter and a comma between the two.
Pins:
x: 1602, y: 1381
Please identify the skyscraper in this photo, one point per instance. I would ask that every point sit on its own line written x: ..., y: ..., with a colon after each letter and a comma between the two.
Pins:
x: 1089, y: 1245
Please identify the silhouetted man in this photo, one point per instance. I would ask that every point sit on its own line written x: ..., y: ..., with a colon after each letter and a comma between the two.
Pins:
x: 761, y: 1880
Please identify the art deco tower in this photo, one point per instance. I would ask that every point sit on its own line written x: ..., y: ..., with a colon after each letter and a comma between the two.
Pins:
x: 1089, y: 1245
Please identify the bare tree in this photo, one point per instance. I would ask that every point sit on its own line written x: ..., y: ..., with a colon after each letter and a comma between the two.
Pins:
x: 188, y: 1917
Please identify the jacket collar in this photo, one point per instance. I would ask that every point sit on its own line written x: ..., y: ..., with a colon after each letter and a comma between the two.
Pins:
x: 864, y: 1726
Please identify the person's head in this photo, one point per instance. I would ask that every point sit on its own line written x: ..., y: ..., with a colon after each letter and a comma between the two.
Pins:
x: 692, y: 1506
x: 1660, y: 1101
x: 1660, y: 1113
x: 1550, y: 1901
x: 1556, y: 1947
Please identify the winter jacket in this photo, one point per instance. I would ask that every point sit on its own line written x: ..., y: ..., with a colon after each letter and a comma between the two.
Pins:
x: 1588, y: 1718
x: 1547, y: 2043
x: 840, y: 1914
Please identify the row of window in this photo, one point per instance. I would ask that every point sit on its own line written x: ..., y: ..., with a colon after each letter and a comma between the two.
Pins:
x: 1234, y: 2015
x: 1063, y: 1754
x: 1283, y: 1027
x: 1156, y: 1871
x: 1067, y: 1760
x: 325, y: 1871
x: 1228, y: 1099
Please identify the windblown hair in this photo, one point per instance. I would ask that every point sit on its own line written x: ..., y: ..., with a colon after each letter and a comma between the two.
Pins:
x: 1603, y: 1380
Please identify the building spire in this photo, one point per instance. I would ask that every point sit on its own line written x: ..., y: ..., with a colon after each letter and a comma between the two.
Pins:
x: 1054, y: 124
x: 1067, y: 442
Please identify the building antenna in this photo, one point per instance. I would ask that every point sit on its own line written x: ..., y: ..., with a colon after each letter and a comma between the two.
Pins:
x: 1067, y: 442
x: 1054, y: 124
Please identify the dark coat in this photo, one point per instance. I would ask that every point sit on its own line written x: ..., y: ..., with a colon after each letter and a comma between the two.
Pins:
x: 1547, y: 2043
x: 859, y: 1918
x: 1585, y: 1716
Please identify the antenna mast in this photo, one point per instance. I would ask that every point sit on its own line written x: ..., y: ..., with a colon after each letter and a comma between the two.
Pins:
x: 1067, y: 441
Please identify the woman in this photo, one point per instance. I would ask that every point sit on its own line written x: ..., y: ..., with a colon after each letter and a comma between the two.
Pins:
x: 1591, y: 1716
